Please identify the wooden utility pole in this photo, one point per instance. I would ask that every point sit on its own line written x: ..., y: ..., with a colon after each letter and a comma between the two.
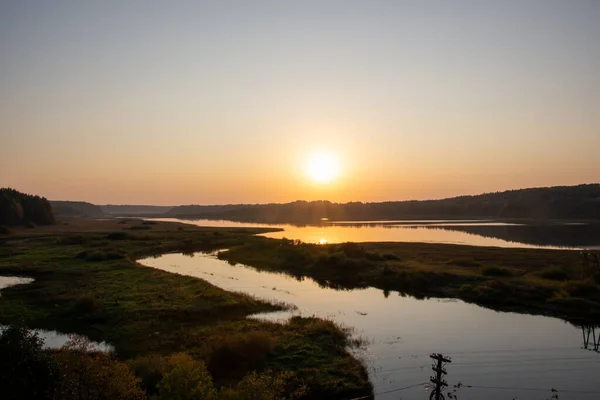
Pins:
x: 437, y: 380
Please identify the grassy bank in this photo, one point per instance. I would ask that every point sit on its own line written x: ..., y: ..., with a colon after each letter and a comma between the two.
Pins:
x: 547, y: 282
x: 87, y: 282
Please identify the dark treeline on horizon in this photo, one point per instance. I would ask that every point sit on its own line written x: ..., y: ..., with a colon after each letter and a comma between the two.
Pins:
x: 18, y: 208
x: 561, y: 202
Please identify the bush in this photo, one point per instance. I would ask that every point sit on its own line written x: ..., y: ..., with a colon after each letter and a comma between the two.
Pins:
x: 117, y: 236
x: 464, y: 262
x: 139, y: 228
x: 28, y: 372
x: 554, y: 274
x: 31, y: 225
x: 70, y: 240
x: 186, y: 379
x: 85, y: 305
x: 4, y: 230
x: 99, y: 255
x: 232, y: 356
x: 150, y: 369
x: 88, y: 375
x: 582, y: 289
x: 268, y: 385
x: 495, y: 271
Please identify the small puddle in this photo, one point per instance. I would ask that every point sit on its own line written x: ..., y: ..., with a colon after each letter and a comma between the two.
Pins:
x: 52, y: 339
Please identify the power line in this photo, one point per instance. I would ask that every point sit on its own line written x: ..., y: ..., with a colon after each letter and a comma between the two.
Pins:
x: 390, y: 391
x: 504, y: 363
x: 532, y: 389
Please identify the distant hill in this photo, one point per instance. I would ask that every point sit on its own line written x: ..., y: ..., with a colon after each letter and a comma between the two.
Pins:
x: 560, y: 202
x: 18, y: 208
x: 76, y: 209
x: 132, y: 210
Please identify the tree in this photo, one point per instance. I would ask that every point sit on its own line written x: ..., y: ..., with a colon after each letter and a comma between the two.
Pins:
x: 88, y: 375
x: 186, y: 379
x: 26, y: 370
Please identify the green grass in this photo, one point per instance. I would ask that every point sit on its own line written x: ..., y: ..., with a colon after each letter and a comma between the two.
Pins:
x: 87, y: 281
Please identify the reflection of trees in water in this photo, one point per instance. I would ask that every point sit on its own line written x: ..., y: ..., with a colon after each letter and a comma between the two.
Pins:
x: 591, y: 338
x: 540, y: 235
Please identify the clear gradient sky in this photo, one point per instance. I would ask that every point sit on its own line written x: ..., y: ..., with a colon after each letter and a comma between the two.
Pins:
x: 177, y: 102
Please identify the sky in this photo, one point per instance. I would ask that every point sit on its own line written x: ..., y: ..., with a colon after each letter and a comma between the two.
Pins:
x: 208, y: 102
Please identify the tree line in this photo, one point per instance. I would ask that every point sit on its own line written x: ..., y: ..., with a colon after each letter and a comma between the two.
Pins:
x: 560, y: 202
x: 18, y: 208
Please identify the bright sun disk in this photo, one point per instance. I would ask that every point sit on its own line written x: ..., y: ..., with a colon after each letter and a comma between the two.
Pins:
x: 323, y: 167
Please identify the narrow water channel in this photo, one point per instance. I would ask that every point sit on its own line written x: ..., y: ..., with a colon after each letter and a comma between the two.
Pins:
x: 489, y: 349
x: 52, y: 339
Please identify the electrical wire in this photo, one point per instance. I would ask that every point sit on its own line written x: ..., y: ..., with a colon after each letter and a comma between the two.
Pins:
x: 390, y: 391
x: 532, y: 389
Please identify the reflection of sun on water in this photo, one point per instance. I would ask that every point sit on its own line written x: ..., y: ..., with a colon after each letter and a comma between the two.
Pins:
x: 322, y: 241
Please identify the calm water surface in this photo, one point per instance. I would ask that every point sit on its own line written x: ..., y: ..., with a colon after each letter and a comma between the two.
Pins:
x: 488, y: 348
x: 465, y: 232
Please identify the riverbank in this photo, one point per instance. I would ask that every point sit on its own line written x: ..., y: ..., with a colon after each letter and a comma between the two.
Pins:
x: 87, y: 281
x: 536, y: 281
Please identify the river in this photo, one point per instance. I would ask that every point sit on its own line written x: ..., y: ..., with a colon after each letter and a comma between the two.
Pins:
x: 501, y: 355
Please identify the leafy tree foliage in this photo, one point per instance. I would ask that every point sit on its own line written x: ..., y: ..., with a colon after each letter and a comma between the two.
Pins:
x: 94, y: 376
x: 18, y: 208
x: 186, y: 379
x: 26, y: 372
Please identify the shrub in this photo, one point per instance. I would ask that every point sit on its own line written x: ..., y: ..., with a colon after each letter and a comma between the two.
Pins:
x: 88, y: 375
x: 554, y: 274
x: 148, y: 223
x: 186, y: 379
x: 495, y: 271
x: 139, y: 228
x: 150, y: 369
x: 464, y: 262
x: 232, y: 356
x: 70, y: 240
x: 268, y: 385
x: 99, y: 255
x: 582, y: 289
x: 4, y: 230
x: 28, y: 372
x: 117, y: 236
x: 31, y: 225
x: 85, y: 305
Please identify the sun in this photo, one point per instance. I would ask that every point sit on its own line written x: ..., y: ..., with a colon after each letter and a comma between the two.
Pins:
x: 322, y: 167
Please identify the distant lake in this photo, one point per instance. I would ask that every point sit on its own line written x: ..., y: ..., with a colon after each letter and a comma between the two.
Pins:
x: 464, y: 232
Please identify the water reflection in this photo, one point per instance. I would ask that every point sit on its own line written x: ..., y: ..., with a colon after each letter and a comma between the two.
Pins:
x: 488, y: 348
x: 464, y: 232
x: 591, y: 338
